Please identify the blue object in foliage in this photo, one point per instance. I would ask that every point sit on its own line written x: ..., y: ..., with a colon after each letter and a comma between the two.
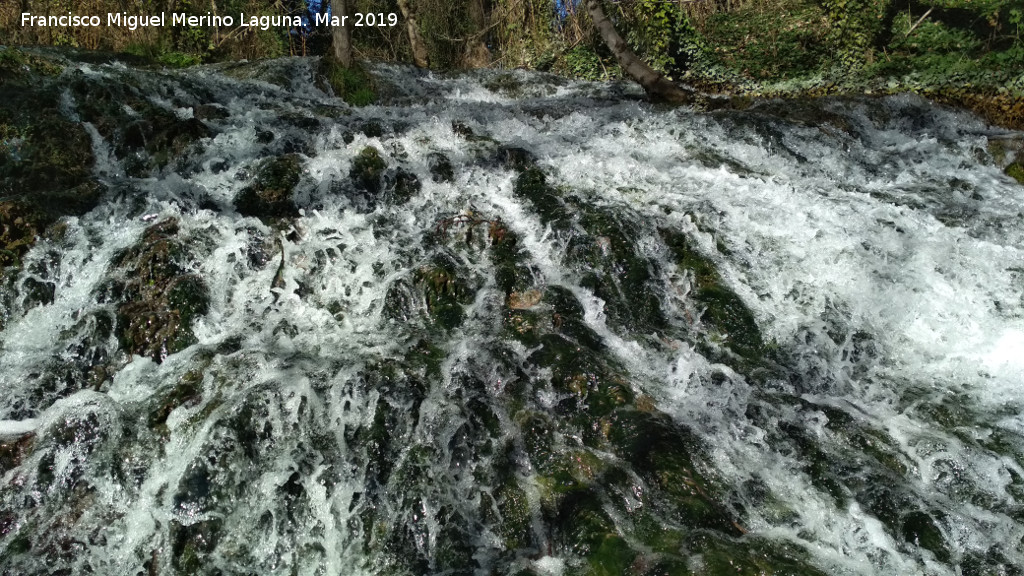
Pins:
x: 313, y: 8
x: 563, y: 6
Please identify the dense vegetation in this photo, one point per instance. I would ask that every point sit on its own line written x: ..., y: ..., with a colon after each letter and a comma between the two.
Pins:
x: 968, y: 52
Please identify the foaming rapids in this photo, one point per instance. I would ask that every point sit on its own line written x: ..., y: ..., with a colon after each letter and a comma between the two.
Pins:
x: 505, y: 323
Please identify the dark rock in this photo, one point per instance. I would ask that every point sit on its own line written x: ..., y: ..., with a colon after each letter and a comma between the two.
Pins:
x: 367, y: 169
x: 271, y: 195
x: 441, y: 168
x: 160, y: 298
x: 403, y: 185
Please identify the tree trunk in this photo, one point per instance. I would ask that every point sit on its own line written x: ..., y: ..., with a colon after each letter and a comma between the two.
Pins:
x: 657, y: 86
x: 419, y: 48
x: 476, y: 54
x: 341, y: 36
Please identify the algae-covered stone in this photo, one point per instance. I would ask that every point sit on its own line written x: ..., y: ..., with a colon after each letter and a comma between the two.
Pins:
x: 724, y: 312
x: 367, y: 168
x: 511, y: 261
x: 160, y: 298
x: 617, y: 271
x: 532, y: 185
x: 144, y: 135
x: 445, y: 291
x: 270, y: 196
x: 46, y: 159
x: 720, y: 555
x: 514, y: 508
x: 920, y: 529
x: 1016, y: 171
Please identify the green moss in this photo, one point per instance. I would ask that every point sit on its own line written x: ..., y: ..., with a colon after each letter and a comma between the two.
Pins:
x: 532, y: 185
x: 614, y: 268
x: 514, y: 507
x: 725, y: 315
x: 160, y: 299
x: 612, y: 557
x: 367, y: 168
x: 270, y: 196
x: 444, y: 291
x: 15, y: 63
x: 919, y: 528
x: 176, y: 59
x: 1016, y: 171
x: 511, y: 261
x: 721, y: 556
x: 354, y: 85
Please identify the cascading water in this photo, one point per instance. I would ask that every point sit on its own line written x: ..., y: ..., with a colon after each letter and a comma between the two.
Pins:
x: 510, y: 324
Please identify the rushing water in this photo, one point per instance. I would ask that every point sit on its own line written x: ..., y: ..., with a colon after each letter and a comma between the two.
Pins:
x: 559, y: 330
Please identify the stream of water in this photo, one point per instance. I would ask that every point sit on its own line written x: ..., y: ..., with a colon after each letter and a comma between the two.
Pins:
x: 543, y: 327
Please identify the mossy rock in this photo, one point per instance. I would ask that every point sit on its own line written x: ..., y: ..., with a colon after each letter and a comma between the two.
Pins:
x: 723, y: 555
x: 505, y: 84
x: 193, y: 543
x: 445, y: 292
x: 513, y: 505
x: 920, y: 529
x: 271, y: 195
x: 514, y: 158
x: 354, y: 85
x: 46, y: 161
x: 13, y: 452
x: 532, y: 185
x: 17, y: 65
x: 144, y: 136
x: 1016, y: 171
x: 160, y: 298
x: 725, y: 314
x: 662, y: 452
x: 613, y: 267
x: 367, y: 169
x: 511, y: 261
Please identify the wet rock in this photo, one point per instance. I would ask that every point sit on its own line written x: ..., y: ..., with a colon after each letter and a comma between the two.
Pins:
x: 270, y: 196
x: 514, y: 158
x: 511, y: 261
x: 13, y: 452
x: 161, y: 298
x: 367, y: 168
x: 145, y: 136
x: 402, y: 186
x: 211, y: 112
x: 724, y: 313
x: 441, y: 169
x: 532, y: 185
x: 192, y: 543
x: 444, y: 291
x: 1016, y: 171
x: 920, y: 529
x: 615, y: 269
x: 46, y: 160
x: 724, y: 555
x: 372, y: 129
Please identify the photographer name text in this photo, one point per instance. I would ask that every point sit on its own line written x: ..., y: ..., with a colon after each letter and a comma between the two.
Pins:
x: 181, y: 19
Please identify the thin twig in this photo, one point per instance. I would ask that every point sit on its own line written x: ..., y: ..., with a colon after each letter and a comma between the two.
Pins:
x: 919, y: 20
